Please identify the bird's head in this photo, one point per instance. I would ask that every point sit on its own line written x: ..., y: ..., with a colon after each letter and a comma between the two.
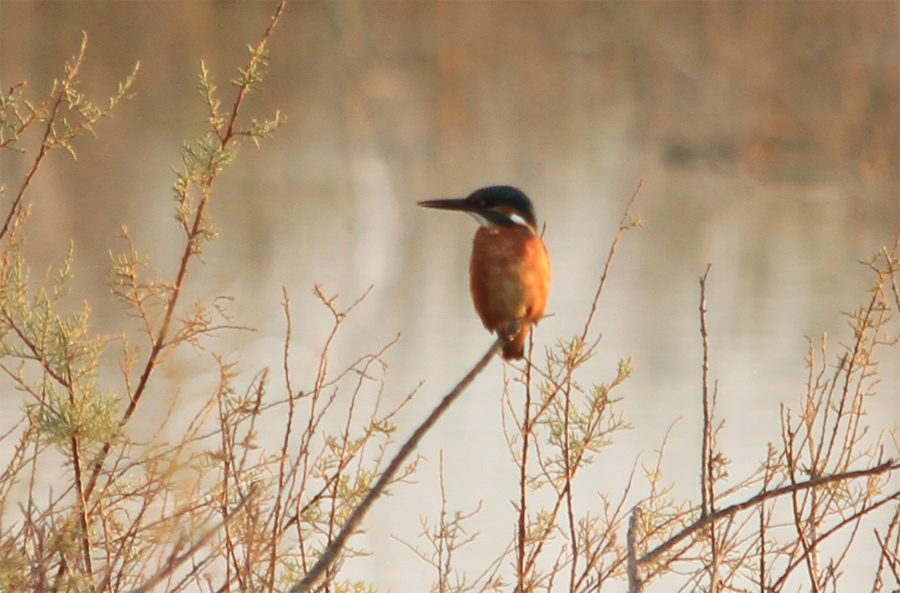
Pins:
x: 495, y: 205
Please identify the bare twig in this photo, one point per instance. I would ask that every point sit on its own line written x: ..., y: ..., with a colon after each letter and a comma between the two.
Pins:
x: 47, y: 141
x: 635, y: 585
x: 175, y: 561
x: 337, y: 544
x: 527, y: 428
x: 888, y: 466
x: 195, y: 231
x: 625, y: 223
x: 706, y: 493
x: 277, y: 512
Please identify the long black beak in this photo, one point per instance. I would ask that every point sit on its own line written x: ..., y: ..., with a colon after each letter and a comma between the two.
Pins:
x: 460, y: 204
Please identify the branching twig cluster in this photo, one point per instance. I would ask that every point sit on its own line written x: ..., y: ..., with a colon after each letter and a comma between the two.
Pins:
x: 817, y: 486
x: 130, y: 515
x: 793, y: 522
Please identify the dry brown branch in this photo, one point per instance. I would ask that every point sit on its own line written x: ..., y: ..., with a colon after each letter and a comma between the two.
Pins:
x: 712, y: 518
x: 889, y: 557
x: 56, y: 98
x: 707, y: 452
x: 627, y: 222
x: 526, y: 429
x: 337, y: 544
x: 196, y: 232
x: 176, y: 560
x: 706, y: 483
x: 635, y: 584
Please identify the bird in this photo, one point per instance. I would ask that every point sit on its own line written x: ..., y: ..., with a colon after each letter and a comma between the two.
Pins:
x: 509, y: 272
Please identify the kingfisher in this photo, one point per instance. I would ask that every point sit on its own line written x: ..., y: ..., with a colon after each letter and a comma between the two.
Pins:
x: 509, y: 273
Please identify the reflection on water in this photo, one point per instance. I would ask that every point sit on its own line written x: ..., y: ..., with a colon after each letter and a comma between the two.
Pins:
x: 766, y: 135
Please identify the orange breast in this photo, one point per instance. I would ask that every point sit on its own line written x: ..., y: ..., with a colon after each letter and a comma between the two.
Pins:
x: 509, y: 276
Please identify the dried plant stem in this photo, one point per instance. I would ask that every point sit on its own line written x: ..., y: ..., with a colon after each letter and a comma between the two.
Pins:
x: 47, y: 140
x: 191, y: 249
x: 885, y: 467
x: 82, y: 506
x: 707, y: 493
x: 635, y: 585
x: 175, y: 561
x: 277, y: 512
x: 338, y: 543
x: 570, y: 474
x: 523, y: 478
x: 625, y: 223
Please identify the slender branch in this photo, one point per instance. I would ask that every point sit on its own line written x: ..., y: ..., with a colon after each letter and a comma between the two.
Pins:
x: 705, y: 452
x: 853, y: 518
x: 888, y: 466
x: 527, y: 424
x: 245, y: 85
x: 707, y: 491
x: 337, y: 544
x: 175, y: 561
x: 47, y: 140
x: 570, y: 472
x: 277, y: 512
x: 625, y: 223
x: 25, y: 123
x: 635, y: 585
x: 190, y: 250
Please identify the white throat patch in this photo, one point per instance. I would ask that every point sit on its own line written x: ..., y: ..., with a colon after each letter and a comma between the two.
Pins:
x: 481, y: 219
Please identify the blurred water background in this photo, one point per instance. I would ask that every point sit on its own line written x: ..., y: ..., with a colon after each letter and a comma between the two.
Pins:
x: 766, y: 135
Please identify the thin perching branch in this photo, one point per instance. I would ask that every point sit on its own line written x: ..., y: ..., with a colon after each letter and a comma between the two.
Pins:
x: 337, y: 544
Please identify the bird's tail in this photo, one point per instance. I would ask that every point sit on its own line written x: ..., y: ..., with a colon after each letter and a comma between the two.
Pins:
x: 515, y: 348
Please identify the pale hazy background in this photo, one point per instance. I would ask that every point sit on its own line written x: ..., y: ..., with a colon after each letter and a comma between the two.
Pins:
x: 766, y: 134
